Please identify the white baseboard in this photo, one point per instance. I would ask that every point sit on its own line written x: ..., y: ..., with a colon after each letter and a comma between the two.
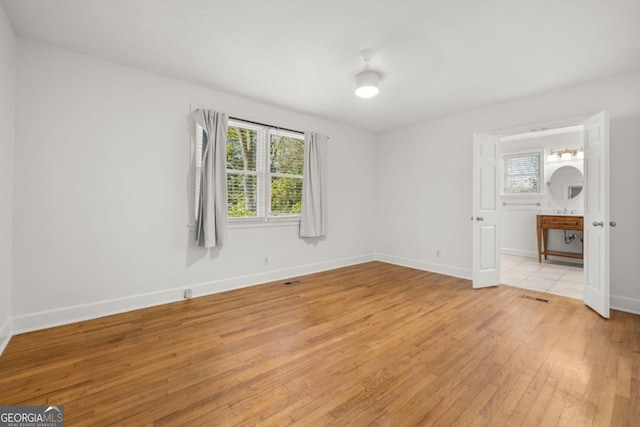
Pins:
x: 519, y: 252
x: 630, y: 305
x: 5, y: 335
x: 534, y: 255
x: 463, y: 273
x: 62, y: 316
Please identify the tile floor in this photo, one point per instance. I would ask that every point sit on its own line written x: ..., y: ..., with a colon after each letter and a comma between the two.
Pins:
x: 554, y: 277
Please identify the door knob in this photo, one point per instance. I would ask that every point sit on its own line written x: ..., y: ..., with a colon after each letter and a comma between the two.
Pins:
x: 479, y: 218
x: 612, y: 223
x: 598, y: 224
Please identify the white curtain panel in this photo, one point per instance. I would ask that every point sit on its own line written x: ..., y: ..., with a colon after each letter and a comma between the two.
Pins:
x: 313, y: 221
x: 211, y: 224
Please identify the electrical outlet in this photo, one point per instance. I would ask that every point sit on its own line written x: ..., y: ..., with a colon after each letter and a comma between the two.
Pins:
x: 438, y: 254
x: 188, y: 294
x: 266, y: 260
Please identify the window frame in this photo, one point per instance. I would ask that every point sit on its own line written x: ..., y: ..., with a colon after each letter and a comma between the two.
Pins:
x: 517, y: 154
x: 264, y: 176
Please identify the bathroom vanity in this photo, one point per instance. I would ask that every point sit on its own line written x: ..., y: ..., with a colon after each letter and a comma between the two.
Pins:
x: 557, y: 222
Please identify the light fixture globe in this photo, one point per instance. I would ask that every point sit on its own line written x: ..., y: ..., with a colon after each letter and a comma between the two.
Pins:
x: 367, y: 84
x: 367, y: 80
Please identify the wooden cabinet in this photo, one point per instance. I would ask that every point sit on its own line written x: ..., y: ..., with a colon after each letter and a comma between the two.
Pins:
x: 557, y: 222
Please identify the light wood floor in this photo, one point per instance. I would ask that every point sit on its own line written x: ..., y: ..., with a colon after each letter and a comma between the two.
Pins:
x: 373, y: 344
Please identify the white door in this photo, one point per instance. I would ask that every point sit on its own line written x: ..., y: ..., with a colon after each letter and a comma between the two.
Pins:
x: 486, y: 237
x: 596, y: 213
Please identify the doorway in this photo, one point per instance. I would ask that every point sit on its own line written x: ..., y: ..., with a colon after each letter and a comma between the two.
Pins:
x: 486, y: 229
x: 542, y: 173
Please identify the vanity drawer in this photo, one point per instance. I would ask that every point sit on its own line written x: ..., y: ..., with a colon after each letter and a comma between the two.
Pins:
x: 562, y: 222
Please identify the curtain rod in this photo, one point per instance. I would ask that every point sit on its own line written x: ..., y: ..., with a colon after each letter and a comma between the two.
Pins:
x: 264, y: 124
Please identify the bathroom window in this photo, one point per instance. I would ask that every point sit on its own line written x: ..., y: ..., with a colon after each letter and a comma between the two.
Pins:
x: 522, y: 173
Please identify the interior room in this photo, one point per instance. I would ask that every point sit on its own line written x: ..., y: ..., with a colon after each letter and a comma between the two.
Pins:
x: 232, y: 213
x: 543, y: 182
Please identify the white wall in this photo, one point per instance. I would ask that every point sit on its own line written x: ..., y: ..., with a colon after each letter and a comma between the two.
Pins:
x: 7, y: 108
x: 424, y: 179
x: 101, y: 206
x: 518, y: 218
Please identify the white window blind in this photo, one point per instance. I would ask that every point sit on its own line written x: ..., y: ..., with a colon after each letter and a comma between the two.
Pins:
x: 264, y: 172
x: 198, y: 162
x: 522, y: 173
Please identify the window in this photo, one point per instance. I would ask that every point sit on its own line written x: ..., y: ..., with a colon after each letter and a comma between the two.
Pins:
x: 264, y: 171
x: 522, y: 173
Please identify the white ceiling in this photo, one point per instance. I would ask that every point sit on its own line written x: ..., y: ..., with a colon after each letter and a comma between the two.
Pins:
x: 436, y: 57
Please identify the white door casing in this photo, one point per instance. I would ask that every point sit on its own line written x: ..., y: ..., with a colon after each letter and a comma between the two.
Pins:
x: 486, y: 237
x: 596, y: 213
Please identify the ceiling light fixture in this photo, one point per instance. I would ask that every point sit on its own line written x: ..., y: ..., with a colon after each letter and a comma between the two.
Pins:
x: 367, y: 80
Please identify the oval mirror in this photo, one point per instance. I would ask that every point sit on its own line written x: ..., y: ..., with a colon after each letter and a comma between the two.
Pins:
x: 566, y: 183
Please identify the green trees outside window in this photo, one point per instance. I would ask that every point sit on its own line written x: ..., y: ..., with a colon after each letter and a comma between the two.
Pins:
x: 264, y: 171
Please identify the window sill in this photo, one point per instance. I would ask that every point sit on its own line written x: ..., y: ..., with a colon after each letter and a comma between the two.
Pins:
x: 257, y: 223
x: 523, y: 195
x: 250, y: 223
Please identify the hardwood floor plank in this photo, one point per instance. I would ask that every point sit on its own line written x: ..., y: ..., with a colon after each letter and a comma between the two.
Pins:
x: 624, y: 377
x: 507, y: 398
x: 372, y: 344
x: 604, y: 409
